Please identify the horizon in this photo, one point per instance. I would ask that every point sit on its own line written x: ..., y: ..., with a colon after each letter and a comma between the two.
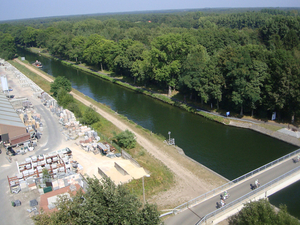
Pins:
x: 148, y: 11
x: 21, y: 10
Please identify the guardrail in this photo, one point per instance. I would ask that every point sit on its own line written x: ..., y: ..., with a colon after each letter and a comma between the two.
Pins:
x: 247, y: 196
x: 229, y: 184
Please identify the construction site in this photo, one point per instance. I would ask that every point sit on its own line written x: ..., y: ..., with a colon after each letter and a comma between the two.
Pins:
x: 51, y: 153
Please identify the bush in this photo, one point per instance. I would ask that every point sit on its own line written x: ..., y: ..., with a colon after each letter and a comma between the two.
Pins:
x: 126, y: 139
x: 64, y: 98
x: 90, y: 116
x: 60, y: 82
x: 73, y: 107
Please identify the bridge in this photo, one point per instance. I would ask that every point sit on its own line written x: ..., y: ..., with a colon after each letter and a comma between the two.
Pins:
x: 273, y: 177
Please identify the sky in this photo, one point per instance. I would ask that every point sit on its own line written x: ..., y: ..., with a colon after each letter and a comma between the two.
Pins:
x: 22, y: 9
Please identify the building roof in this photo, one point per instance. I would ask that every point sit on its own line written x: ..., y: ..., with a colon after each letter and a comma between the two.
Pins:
x: 47, y: 198
x: 8, y: 115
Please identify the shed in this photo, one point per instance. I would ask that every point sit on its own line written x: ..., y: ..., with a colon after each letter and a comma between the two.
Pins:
x: 11, y: 126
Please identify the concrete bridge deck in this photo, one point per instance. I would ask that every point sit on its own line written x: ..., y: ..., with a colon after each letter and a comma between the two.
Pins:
x: 193, y: 213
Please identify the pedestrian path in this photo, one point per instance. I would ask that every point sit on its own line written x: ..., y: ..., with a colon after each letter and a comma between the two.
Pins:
x: 286, y: 131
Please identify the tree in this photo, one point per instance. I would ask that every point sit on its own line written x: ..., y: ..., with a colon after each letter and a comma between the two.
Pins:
x: 99, y: 51
x: 77, y: 47
x: 283, y: 85
x: 166, y: 56
x: 73, y: 107
x: 103, y: 203
x: 7, y: 46
x: 194, y: 76
x: 30, y: 36
x: 261, y: 212
x: 129, y: 52
x: 90, y: 116
x: 59, y: 44
x: 43, y: 36
x: 291, y: 40
x: 60, y: 82
x: 126, y: 139
x: 64, y: 98
x: 245, y: 74
x: 87, y: 27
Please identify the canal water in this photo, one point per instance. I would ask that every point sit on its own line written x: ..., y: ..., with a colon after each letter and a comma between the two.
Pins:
x: 229, y: 151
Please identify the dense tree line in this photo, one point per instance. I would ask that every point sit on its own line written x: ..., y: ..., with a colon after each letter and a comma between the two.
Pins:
x: 246, y: 62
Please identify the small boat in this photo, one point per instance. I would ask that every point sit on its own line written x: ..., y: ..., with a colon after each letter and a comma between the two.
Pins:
x: 37, y: 64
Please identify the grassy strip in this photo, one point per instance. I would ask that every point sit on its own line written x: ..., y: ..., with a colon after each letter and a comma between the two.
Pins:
x: 41, y: 82
x: 270, y: 127
x: 214, y: 117
x: 161, y: 177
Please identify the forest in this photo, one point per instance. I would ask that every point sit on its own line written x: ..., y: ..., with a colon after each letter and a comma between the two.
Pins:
x: 243, y: 60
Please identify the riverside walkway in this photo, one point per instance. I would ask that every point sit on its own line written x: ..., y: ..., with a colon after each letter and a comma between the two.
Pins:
x: 273, y: 177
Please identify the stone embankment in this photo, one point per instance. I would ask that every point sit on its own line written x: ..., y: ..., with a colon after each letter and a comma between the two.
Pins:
x: 283, y: 136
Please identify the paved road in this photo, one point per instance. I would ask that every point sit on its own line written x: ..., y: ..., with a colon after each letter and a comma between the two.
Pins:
x: 194, y: 214
x: 51, y: 132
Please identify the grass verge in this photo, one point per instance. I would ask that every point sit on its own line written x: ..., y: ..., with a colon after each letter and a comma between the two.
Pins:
x: 270, y: 127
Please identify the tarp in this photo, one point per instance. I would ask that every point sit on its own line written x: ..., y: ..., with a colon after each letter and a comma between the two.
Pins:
x: 17, y: 203
x: 33, y: 203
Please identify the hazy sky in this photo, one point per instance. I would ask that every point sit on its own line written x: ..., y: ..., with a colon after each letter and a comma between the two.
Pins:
x: 20, y: 9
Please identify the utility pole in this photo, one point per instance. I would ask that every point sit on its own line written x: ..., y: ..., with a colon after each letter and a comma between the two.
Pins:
x: 147, y: 175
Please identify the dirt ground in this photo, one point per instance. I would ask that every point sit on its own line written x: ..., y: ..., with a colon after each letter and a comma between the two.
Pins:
x: 188, y: 183
x: 90, y: 163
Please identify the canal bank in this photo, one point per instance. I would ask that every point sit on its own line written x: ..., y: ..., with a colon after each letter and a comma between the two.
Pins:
x: 269, y: 128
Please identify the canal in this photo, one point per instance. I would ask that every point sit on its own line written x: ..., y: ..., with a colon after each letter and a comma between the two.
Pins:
x: 229, y: 151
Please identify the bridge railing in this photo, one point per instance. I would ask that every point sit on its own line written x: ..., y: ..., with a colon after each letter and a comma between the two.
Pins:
x: 247, y: 196
x: 229, y: 184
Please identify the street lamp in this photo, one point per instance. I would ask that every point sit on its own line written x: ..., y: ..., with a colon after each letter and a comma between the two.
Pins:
x: 169, y: 133
x: 147, y: 175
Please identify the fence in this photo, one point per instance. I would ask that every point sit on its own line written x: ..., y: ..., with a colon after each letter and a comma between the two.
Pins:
x: 102, y: 173
x: 247, y: 196
x: 228, y: 185
x: 120, y: 169
x: 126, y: 155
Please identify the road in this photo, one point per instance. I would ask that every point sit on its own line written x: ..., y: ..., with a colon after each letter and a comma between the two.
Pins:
x: 194, y: 214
